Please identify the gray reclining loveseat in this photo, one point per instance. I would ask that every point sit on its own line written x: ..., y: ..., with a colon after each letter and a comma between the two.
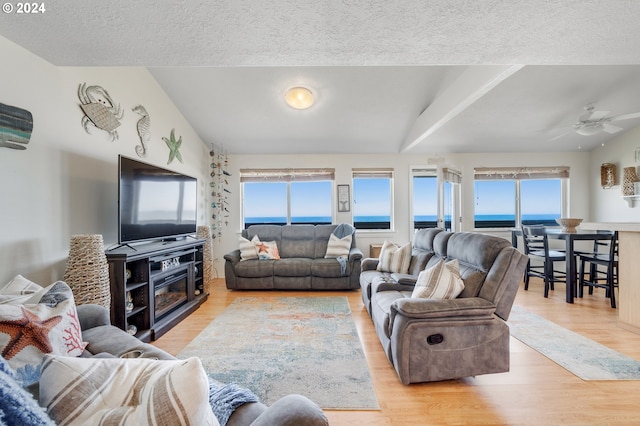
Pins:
x: 429, y: 340
x: 302, y: 264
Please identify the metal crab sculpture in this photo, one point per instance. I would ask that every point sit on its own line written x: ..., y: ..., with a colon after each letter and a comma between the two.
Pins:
x: 99, y: 110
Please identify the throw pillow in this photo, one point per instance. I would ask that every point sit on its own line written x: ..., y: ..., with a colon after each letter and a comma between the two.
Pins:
x: 441, y: 281
x: 394, y: 258
x: 135, y: 391
x: 338, y: 247
x: 267, y: 250
x: 18, y: 290
x: 248, y: 248
x: 17, y: 406
x: 45, y: 323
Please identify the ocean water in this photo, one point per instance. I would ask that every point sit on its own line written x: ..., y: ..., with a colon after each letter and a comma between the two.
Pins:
x: 424, y: 218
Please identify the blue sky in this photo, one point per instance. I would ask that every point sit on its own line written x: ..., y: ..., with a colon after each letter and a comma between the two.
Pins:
x: 497, y: 197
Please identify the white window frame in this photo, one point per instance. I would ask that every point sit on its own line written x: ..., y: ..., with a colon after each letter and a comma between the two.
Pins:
x: 288, y: 176
x: 518, y: 174
x: 376, y: 173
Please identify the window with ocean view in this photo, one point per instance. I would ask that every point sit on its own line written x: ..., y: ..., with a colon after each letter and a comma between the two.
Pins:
x: 495, y: 204
x: 281, y: 197
x: 372, y: 198
x: 425, y: 201
x: 512, y: 197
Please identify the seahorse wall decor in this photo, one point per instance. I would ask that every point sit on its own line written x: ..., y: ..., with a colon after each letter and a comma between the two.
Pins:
x: 99, y: 109
x: 174, y: 146
x: 143, y: 126
x: 16, y: 125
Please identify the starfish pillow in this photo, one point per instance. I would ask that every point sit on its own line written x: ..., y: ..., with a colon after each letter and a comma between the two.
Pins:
x: 46, y: 322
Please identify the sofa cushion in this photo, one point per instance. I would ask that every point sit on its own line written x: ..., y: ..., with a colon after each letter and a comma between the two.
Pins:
x: 441, y: 281
x: 476, y: 254
x: 46, y: 322
x: 298, y: 241
x: 255, y: 268
x: 329, y: 268
x: 248, y: 248
x: 81, y: 391
x: 381, y: 302
x: 338, y: 247
x: 394, y: 258
x: 292, y: 267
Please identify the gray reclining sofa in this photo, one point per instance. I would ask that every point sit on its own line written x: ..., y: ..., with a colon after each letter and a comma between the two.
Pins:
x: 429, y: 340
x: 302, y: 264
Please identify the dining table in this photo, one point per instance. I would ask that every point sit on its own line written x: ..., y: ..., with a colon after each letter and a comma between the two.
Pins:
x: 570, y: 239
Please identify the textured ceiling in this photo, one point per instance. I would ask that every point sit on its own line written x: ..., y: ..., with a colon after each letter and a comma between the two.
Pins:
x: 375, y: 65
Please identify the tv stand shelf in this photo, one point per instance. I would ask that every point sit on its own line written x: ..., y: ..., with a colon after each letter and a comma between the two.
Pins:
x: 155, y: 285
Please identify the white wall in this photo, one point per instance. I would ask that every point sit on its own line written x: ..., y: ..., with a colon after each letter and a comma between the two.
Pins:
x: 607, y: 205
x: 402, y: 163
x: 65, y: 182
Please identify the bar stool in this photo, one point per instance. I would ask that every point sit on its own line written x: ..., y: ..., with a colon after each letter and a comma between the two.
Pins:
x: 605, y: 254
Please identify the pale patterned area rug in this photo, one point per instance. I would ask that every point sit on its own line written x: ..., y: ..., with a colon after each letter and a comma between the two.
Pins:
x: 276, y: 346
x: 583, y: 357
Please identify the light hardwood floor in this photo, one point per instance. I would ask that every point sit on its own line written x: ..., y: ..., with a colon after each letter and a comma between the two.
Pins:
x: 536, y: 391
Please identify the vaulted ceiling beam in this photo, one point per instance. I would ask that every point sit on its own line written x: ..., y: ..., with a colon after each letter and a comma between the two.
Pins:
x: 471, y: 85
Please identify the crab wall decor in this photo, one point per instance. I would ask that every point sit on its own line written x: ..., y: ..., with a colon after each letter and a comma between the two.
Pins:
x: 99, y: 110
x: 174, y: 146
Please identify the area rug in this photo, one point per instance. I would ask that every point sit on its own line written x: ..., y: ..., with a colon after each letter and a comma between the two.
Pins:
x: 583, y: 357
x: 277, y: 346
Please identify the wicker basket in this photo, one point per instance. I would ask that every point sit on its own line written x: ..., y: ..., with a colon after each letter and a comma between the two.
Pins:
x: 629, y: 178
x: 608, y: 175
x: 207, y: 257
x: 87, y: 271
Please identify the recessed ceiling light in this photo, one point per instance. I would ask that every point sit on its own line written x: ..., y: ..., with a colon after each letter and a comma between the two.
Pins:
x: 299, y: 97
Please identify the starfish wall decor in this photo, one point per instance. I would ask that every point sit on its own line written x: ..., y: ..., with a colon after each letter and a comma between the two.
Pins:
x: 174, y: 146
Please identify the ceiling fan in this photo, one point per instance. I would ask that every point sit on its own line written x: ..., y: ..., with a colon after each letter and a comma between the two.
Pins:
x: 592, y: 122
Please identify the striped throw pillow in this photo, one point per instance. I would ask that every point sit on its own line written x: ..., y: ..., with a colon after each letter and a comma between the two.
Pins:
x: 338, y: 247
x: 441, y: 281
x: 248, y: 248
x: 394, y: 258
x: 116, y: 391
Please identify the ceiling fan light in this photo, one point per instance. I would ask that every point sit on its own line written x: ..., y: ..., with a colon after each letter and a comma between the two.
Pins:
x: 589, y: 130
x: 299, y: 97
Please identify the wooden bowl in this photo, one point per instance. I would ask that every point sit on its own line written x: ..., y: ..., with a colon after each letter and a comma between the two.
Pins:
x: 568, y: 224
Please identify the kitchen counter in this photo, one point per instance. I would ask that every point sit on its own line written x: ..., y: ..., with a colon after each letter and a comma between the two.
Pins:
x: 628, y: 270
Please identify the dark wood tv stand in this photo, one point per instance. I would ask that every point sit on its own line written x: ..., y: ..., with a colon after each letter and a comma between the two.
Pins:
x: 155, y: 285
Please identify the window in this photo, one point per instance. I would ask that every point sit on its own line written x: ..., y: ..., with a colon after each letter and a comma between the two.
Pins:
x: 511, y: 197
x: 286, y: 196
x: 495, y: 205
x: 541, y: 201
x: 425, y: 199
x: 372, y: 198
x: 436, y: 198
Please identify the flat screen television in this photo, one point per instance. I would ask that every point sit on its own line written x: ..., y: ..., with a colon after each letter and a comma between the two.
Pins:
x: 154, y: 203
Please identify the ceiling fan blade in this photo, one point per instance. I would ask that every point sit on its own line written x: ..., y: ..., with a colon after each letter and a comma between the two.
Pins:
x: 560, y: 135
x: 611, y: 129
x: 625, y: 116
x: 597, y: 115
